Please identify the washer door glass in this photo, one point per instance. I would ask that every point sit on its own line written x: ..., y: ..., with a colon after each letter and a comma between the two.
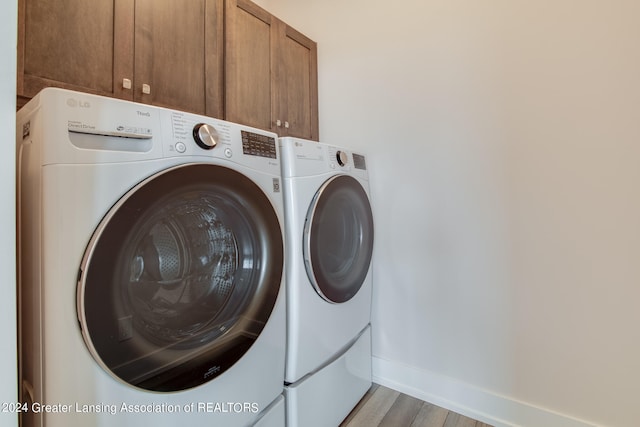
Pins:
x: 338, y: 239
x: 180, y: 277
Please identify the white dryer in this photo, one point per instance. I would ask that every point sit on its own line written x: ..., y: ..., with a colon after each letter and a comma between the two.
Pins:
x: 151, y: 266
x: 329, y: 241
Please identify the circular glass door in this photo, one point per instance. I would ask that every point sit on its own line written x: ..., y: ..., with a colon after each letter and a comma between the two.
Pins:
x: 180, y: 277
x: 338, y: 239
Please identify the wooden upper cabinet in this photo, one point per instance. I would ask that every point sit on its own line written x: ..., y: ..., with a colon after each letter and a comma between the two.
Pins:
x: 68, y: 44
x: 223, y: 58
x: 171, y: 49
x: 178, y: 54
x: 270, y: 72
x: 298, y: 84
x: 248, y: 59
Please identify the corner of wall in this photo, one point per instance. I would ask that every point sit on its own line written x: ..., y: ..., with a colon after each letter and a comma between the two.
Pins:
x: 466, y: 399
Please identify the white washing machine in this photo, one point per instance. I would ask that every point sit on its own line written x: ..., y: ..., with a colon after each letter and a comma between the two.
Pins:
x: 329, y: 241
x: 151, y: 267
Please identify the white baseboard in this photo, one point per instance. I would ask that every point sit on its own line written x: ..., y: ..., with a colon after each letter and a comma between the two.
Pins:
x: 466, y: 399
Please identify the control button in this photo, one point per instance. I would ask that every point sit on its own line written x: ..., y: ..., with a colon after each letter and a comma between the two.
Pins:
x: 206, y: 136
x: 180, y: 147
x: 342, y: 158
x: 228, y: 152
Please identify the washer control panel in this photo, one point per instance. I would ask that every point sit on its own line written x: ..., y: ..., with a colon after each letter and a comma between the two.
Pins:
x: 192, y: 134
x: 189, y: 133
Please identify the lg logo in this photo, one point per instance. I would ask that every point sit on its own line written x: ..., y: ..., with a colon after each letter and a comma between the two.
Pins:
x: 73, y: 103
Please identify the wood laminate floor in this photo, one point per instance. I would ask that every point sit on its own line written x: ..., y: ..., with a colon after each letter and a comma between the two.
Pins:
x: 384, y: 407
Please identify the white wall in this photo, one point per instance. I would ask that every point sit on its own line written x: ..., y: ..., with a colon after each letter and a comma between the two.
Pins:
x: 504, y: 149
x: 8, y: 385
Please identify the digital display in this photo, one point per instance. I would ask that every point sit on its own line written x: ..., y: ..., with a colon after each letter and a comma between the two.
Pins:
x: 255, y: 144
x: 359, y: 162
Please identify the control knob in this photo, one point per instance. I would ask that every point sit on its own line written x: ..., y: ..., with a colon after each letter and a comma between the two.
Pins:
x: 206, y: 136
x: 342, y: 158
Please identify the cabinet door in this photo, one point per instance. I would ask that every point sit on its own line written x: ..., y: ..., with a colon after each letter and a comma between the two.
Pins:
x: 178, y: 54
x: 248, y: 72
x: 73, y: 44
x: 270, y: 71
x: 297, y: 94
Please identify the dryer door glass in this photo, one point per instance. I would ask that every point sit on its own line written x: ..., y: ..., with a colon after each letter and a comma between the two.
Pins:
x: 338, y: 239
x: 180, y: 277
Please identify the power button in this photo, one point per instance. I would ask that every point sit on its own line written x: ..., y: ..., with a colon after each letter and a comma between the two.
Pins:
x: 181, y: 147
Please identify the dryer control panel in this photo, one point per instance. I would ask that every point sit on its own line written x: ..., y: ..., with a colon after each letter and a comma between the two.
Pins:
x: 303, y: 157
x: 339, y: 159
